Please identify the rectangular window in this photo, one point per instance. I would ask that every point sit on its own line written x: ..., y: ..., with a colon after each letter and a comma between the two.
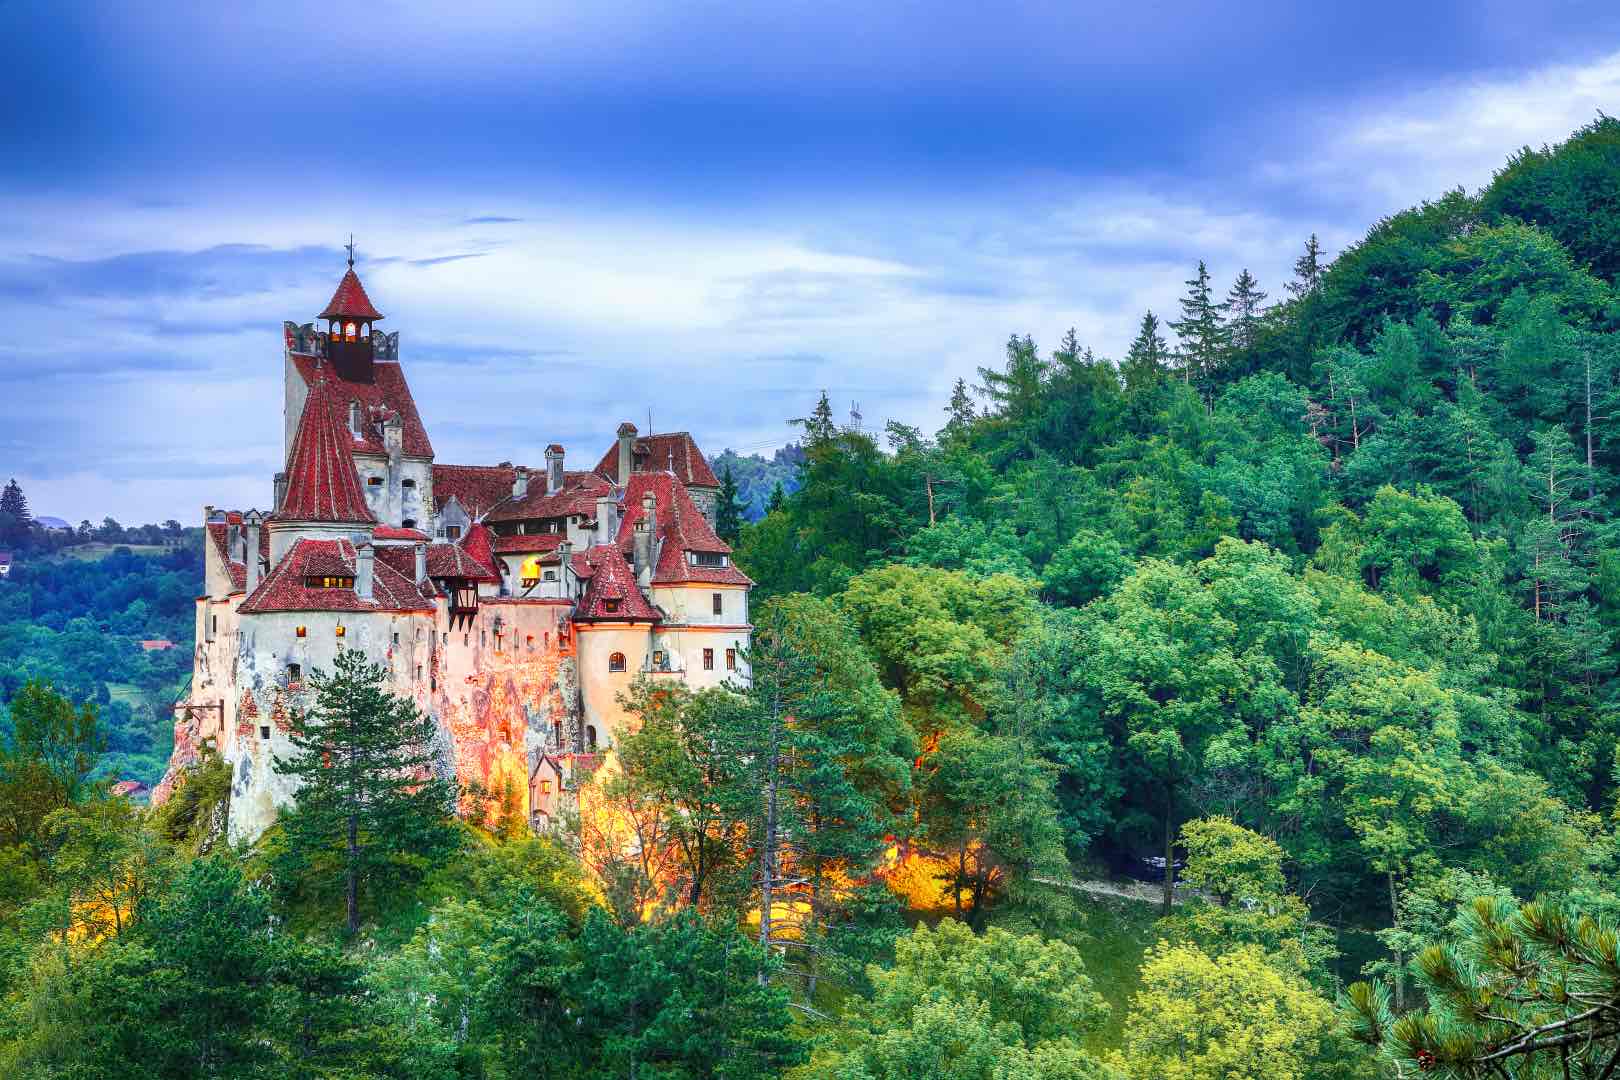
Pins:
x: 708, y: 659
x: 708, y: 558
x: 396, y: 637
x: 719, y: 604
x: 731, y: 659
x: 264, y: 732
x: 452, y: 532
x: 374, y: 481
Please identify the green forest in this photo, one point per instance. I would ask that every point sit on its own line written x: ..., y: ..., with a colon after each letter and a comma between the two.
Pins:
x: 74, y: 610
x: 1306, y: 606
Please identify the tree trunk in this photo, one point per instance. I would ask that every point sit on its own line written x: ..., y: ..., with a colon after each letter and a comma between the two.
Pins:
x: 354, y: 874
x: 1169, y: 848
x: 1400, y: 958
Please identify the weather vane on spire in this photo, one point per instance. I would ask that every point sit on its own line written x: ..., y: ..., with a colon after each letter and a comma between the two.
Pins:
x: 350, y: 246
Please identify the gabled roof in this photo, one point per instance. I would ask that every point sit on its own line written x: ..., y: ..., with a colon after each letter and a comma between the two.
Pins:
x: 610, y: 579
x: 527, y: 544
x: 681, y: 527
x: 350, y: 301
x: 322, y: 483
x: 284, y: 588
x: 476, y: 487
x: 385, y: 395
x: 669, y: 450
x: 454, y: 561
x: 579, y: 493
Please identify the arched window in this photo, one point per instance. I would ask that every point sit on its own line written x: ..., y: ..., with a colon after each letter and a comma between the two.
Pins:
x: 616, y: 662
x: 590, y: 739
x: 349, y: 332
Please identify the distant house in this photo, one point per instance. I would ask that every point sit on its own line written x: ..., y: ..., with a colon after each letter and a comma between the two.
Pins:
x: 131, y: 789
x: 5, y: 563
x: 156, y: 644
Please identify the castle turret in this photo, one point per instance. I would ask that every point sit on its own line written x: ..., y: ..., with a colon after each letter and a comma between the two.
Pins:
x: 349, y: 317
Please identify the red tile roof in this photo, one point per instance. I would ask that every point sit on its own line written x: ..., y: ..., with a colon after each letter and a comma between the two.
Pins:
x: 322, y: 484
x: 611, y: 579
x: 476, y: 487
x: 682, y: 528
x: 283, y: 589
x: 476, y: 544
x: 156, y: 644
x: 579, y: 493
x: 394, y: 532
x: 350, y: 301
x: 219, y: 533
x: 524, y: 545
x: 671, y: 449
x: 454, y: 561
x: 387, y: 393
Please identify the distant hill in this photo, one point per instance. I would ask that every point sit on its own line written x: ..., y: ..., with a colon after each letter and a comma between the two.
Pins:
x: 47, y: 522
x: 756, y: 476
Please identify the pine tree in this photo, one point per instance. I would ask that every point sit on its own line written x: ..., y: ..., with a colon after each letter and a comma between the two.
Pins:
x: 367, y: 797
x: 728, y: 515
x: 959, y: 413
x: 1308, y: 269
x: 1201, y: 333
x: 1244, y: 310
x: 819, y: 428
x: 14, y: 516
x: 1147, y: 358
x: 778, y: 500
x: 15, y: 503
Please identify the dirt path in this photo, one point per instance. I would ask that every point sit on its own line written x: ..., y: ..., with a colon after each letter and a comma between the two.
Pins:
x: 1142, y: 891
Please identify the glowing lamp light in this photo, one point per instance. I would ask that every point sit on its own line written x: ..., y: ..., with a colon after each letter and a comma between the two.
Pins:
x: 301, y: 631
x: 340, y: 631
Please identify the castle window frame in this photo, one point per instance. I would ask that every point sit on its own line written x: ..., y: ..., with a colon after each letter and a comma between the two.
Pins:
x: 719, y: 603
x: 374, y: 481
x: 616, y: 662
x: 731, y: 659
x: 714, y: 560
x: 408, y: 482
x: 708, y: 659
x: 452, y: 532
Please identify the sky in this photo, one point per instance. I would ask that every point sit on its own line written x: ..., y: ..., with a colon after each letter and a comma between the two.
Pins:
x: 577, y: 214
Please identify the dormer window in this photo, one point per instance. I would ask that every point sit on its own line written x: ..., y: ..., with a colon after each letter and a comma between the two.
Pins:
x: 354, y: 418
x: 452, y: 532
x: 714, y: 559
x: 611, y: 606
x: 328, y: 581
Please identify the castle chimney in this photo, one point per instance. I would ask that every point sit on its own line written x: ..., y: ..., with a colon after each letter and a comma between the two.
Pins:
x: 251, y: 521
x: 364, y: 564
x: 627, y: 445
x: 565, y: 564
x: 606, y: 527
x: 644, y: 538
x: 554, y: 468
x: 520, y: 482
x: 421, y: 563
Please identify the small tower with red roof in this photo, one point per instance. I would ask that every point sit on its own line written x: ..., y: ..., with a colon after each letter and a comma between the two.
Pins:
x: 349, y: 317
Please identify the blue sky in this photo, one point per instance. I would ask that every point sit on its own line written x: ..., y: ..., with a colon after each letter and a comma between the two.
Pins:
x: 574, y: 213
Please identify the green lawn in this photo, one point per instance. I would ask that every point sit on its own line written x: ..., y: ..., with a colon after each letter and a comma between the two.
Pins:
x: 1119, y: 932
x: 98, y: 550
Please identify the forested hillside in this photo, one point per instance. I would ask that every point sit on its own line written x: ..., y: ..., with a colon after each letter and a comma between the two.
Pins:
x: 73, y: 613
x: 1310, y: 596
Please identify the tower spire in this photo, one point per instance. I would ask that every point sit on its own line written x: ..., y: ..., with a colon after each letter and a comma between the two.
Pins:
x: 350, y: 246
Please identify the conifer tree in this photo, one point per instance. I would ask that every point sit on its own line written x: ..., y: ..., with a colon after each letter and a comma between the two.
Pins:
x: 14, y: 515
x: 778, y: 498
x: 367, y: 795
x: 1147, y: 358
x: 728, y: 516
x: 1243, y: 311
x: 960, y: 414
x: 1308, y: 269
x: 1201, y: 333
x: 15, y: 503
x: 819, y: 427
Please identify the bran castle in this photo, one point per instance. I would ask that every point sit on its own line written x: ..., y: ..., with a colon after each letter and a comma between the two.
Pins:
x: 512, y: 604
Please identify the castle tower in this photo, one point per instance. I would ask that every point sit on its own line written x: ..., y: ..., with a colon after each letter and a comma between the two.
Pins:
x: 349, y: 317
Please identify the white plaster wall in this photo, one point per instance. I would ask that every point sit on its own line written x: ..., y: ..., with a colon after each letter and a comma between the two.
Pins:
x: 599, y: 687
